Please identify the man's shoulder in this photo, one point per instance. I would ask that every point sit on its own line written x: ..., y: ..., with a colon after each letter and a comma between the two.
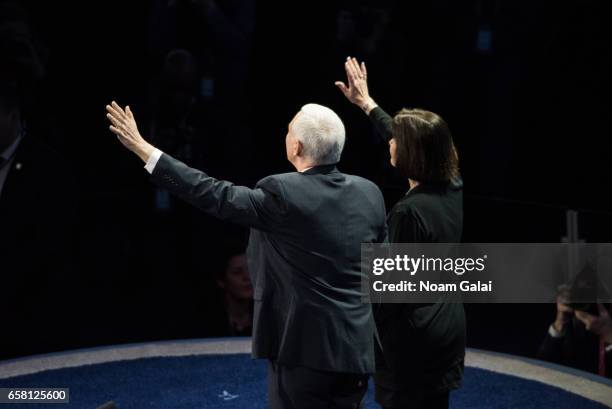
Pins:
x: 276, y: 178
x: 361, y: 180
x: 295, y: 179
x: 294, y: 176
x: 363, y: 184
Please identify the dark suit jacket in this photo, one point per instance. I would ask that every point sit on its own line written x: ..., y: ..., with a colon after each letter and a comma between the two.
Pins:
x: 304, y: 258
x: 423, y: 344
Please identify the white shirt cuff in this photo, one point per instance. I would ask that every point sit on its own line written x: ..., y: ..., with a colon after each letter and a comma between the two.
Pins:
x: 153, y: 159
x: 552, y: 331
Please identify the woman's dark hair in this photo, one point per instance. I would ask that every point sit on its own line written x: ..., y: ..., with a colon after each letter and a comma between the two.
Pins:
x: 425, y: 149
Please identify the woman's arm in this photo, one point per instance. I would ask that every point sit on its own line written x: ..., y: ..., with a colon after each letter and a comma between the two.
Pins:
x: 382, y: 122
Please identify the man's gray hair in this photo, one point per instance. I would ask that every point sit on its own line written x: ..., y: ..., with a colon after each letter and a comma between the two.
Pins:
x: 321, y: 132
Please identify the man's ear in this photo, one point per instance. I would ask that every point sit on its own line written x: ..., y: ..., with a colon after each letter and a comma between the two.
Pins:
x: 298, y: 148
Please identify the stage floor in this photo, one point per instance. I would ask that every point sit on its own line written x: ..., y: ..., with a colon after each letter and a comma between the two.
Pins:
x: 219, y: 373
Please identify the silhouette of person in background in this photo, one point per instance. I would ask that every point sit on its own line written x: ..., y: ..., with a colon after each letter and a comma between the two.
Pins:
x: 218, y: 35
x: 235, y: 318
x: 574, y: 338
x: 37, y: 205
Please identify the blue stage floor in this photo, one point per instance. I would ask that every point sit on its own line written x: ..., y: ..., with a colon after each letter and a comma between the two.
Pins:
x: 230, y: 379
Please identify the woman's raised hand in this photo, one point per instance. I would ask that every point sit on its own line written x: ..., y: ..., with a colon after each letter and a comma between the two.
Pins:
x: 357, y: 89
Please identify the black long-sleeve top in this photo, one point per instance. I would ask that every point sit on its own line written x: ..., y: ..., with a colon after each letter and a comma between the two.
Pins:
x: 423, y: 344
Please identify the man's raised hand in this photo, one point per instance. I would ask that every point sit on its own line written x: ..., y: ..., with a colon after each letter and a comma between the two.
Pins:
x: 357, y: 89
x: 124, y: 126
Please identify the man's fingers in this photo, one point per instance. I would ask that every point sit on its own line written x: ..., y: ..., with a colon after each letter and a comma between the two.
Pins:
x: 114, y: 121
x: 128, y: 111
x: 120, y: 112
x: 116, y: 114
x: 364, y: 71
x: 117, y: 107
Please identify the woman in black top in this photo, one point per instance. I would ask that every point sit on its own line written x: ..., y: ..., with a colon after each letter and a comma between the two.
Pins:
x: 423, y: 345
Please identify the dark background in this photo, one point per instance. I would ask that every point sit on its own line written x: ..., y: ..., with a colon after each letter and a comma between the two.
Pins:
x: 524, y: 86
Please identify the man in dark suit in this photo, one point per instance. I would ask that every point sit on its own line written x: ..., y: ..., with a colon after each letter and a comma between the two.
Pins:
x: 304, y: 257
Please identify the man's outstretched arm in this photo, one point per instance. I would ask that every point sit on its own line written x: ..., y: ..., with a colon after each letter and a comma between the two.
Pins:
x: 262, y: 207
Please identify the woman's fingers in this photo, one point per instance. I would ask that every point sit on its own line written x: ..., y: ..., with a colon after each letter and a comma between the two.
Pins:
x: 350, y: 70
x: 354, y: 71
x: 356, y: 68
x: 342, y: 87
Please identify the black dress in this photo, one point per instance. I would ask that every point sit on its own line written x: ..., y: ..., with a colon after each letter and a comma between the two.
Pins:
x: 423, y: 344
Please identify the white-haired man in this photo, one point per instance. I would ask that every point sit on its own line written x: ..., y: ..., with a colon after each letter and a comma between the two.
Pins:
x: 304, y: 256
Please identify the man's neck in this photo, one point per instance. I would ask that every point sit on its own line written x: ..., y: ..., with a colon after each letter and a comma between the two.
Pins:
x: 302, y: 166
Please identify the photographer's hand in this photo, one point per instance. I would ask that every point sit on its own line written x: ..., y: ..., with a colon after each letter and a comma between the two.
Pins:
x: 564, y: 311
x: 598, y: 324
